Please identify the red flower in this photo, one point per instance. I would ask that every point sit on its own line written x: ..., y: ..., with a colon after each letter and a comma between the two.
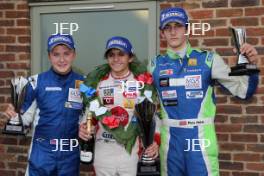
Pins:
x: 121, y: 114
x: 111, y: 121
x: 145, y: 77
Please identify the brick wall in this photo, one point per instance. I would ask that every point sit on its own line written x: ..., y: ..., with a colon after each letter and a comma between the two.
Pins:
x: 239, y: 124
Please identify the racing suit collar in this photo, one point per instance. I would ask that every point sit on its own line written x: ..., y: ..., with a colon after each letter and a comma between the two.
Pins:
x: 59, y: 76
x: 174, y: 55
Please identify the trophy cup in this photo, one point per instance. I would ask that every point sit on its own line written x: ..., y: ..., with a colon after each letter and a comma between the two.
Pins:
x: 15, y: 124
x: 145, y: 112
x: 243, y: 67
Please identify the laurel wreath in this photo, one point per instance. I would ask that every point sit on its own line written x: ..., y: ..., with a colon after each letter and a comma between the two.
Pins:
x: 127, y: 136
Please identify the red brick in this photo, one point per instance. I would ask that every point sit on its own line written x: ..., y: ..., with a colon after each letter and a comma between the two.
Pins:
x: 6, y: 74
x: 229, y: 12
x: 246, y: 157
x: 7, y: 172
x: 22, y: 158
x: 220, y: 100
x: 5, y: 90
x: 216, y: 42
x: 7, y: 39
x: 245, y: 174
x: 17, y: 14
x: 254, y: 11
x: 255, y: 109
x: 244, y: 137
x: 2, y: 30
x: 262, y: 20
x: 194, y: 42
x: 17, y: 48
x: 254, y: 128
x: 244, y: 119
x: 18, y: 31
x: 221, y: 118
x: 24, y: 39
x: 252, y: 41
x: 192, y: 5
x: 224, y: 173
x: 17, y: 149
x: 236, y: 100
x: 165, y: 5
x: 224, y: 156
x: 201, y: 14
x: 255, y: 166
x: 17, y: 66
x: 24, y: 56
x: 222, y: 32
x: 262, y: 40
x: 228, y: 128
x: 247, y: 21
x: 255, y: 32
x: 7, y: 23
x: 215, y: 4
x: 231, y: 165
x: 255, y: 147
x: 6, y: 6
x: 225, y: 51
x: 215, y: 22
x: 7, y: 57
x: 22, y: 6
x: 260, y: 51
x: 15, y: 165
x: 229, y: 109
x: 244, y: 3
x: 222, y: 137
x: 23, y: 22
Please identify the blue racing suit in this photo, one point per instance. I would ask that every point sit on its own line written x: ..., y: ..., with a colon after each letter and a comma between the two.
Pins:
x: 54, y: 149
x: 185, y: 86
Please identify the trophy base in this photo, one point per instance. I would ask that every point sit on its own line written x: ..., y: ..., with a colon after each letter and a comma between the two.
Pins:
x: 243, y: 69
x: 14, y: 129
x: 149, y: 168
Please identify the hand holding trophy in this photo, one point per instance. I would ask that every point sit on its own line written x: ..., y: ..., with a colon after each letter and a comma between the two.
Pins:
x: 243, y: 66
x: 15, y: 125
x: 145, y: 112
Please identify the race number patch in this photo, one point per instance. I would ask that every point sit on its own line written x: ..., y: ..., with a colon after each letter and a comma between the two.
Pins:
x: 193, y: 82
x: 108, y: 100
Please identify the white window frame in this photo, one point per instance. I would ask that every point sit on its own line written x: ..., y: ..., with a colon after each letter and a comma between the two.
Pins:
x: 39, y: 8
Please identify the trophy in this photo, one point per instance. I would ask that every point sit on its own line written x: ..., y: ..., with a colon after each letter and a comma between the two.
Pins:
x: 15, y: 124
x: 145, y: 112
x: 243, y: 67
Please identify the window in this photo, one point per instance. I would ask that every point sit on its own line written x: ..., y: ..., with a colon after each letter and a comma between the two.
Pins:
x: 97, y: 20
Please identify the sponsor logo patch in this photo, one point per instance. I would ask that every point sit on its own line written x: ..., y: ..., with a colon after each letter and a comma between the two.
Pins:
x: 166, y: 72
x: 53, y: 89
x: 164, y: 82
x: 168, y: 94
x: 108, y: 92
x: 193, y: 82
x: 194, y: 94
x: 192, y: 62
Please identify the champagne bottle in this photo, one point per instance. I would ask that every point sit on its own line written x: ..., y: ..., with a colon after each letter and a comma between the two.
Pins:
x: 87, y: 147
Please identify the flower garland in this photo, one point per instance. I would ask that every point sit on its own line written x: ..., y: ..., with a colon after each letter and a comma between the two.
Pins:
x: 91, y: 100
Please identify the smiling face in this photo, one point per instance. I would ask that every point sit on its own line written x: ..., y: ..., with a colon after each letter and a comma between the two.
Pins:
x: 118, y: 61
x: 61, y: 58
x: 173, y: 33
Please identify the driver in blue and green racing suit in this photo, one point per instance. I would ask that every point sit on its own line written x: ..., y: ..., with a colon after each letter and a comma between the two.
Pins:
x: 184, y: 78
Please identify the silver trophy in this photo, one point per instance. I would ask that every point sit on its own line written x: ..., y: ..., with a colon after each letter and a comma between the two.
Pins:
x: 145, y: 112
x: 18, y: 89
x: 243, y: 67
